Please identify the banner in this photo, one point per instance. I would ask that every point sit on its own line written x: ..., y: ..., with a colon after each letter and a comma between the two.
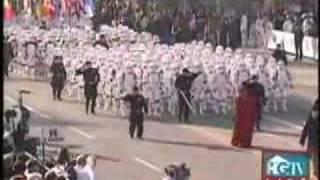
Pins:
x: 286, y: 39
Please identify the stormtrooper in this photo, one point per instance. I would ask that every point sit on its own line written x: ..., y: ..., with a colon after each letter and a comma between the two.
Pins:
x: 283, y: 85
x: 153, y: 87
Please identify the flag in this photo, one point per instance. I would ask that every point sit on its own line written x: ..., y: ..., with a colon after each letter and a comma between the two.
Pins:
x: 89, y: 7
x: 8, y: 11
x: 48, y: 9
x: 38, y: 8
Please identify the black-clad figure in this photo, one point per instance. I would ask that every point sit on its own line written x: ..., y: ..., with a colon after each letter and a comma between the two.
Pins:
x: 59, y: 76
x: 260, y: 93
x: 183, y: 84
x: 138, y: 106
x: 298, y: 40
x: 7, y: 56
x: 280, y: 55
x: 91, y: 79
x: 225, y: 29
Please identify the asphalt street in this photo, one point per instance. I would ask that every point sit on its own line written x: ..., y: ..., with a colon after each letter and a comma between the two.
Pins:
x: 204, y: 145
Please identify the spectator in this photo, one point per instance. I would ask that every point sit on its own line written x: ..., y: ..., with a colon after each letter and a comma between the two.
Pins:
x: 298, y: 39
x: 244, y: 30
x: 70, y: 169
x: 61, y: 178
x: 50, y: 175
x: 280, y: 55
x: 308, y: 25
x: 224, y: 30
x: 19, y: 168
x: 82, y: 173
x: 278, y: 22
x: 235, y: 33
x: 91, y: 163
x: 288, y: 24
x: 311, y: 131
x: 33, y: 170
x: 63, y: 156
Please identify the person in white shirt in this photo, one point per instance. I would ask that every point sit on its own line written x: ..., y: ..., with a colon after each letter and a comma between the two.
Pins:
x: 80, y: 168
x: 287, y: 25
x: 89, y: 168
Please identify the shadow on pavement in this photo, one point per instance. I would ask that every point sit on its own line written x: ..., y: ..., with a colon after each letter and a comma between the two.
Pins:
x: 208, y: 119
x: 72, y: 101
x: 60, y: 145
x: 281, y: 133
x: 199, y: 145
x: 261, y: 148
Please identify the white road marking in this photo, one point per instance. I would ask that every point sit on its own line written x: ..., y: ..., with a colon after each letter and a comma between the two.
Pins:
x: 76, y: 130
x: 147, y: 164
x: 11, y: 100
x: 285, y: 123
x: 287, y: 141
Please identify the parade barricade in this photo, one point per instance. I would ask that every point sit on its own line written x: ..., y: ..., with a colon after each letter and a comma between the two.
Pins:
x: 286, y: 39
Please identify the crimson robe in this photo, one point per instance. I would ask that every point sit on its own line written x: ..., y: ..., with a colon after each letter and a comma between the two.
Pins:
x: 246, y: 115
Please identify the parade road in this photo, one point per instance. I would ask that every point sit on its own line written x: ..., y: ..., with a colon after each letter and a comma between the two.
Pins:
x: 203, y: 145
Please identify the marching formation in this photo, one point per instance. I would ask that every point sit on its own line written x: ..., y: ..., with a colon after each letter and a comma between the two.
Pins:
x: 137, y: 59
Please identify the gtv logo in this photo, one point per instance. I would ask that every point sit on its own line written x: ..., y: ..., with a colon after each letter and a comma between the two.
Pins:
x: 280, y: 167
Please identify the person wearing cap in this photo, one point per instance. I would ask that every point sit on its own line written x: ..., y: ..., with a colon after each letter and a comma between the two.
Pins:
x: 280, y: 55
x: 138, y: 107
x: 183, y: 84
x: 311, y: 132
x: 91, y: 79
x: 59, y: 76
x: 260, y: 93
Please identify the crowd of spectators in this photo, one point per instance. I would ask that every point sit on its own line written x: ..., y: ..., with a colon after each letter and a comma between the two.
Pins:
x: 285, y: 21
x: 63, y: 167
x: 199, y: 23
x: 171, y: 25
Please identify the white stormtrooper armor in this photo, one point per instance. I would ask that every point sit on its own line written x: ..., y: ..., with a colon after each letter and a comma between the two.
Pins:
x: 283, y: 85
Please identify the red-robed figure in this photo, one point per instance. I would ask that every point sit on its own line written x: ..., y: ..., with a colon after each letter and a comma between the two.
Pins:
x: 246, y: 115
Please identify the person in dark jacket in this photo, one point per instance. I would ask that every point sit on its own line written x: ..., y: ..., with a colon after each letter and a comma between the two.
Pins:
x: 311, y: 132
x: 59, y: 76
x: 235, y: 33
x: 298, y: 39
x: 260, y: 93
x: 138, y: 106
x: 280, y: 55
x: 225, y: 29
x: 7, y: 56
x: 91, y: 79
x: 183, y: 84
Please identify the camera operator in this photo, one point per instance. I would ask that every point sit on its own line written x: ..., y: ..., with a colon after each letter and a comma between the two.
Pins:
x: 18, y: 118
x: 177, y: 172
x: 91, y: 79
